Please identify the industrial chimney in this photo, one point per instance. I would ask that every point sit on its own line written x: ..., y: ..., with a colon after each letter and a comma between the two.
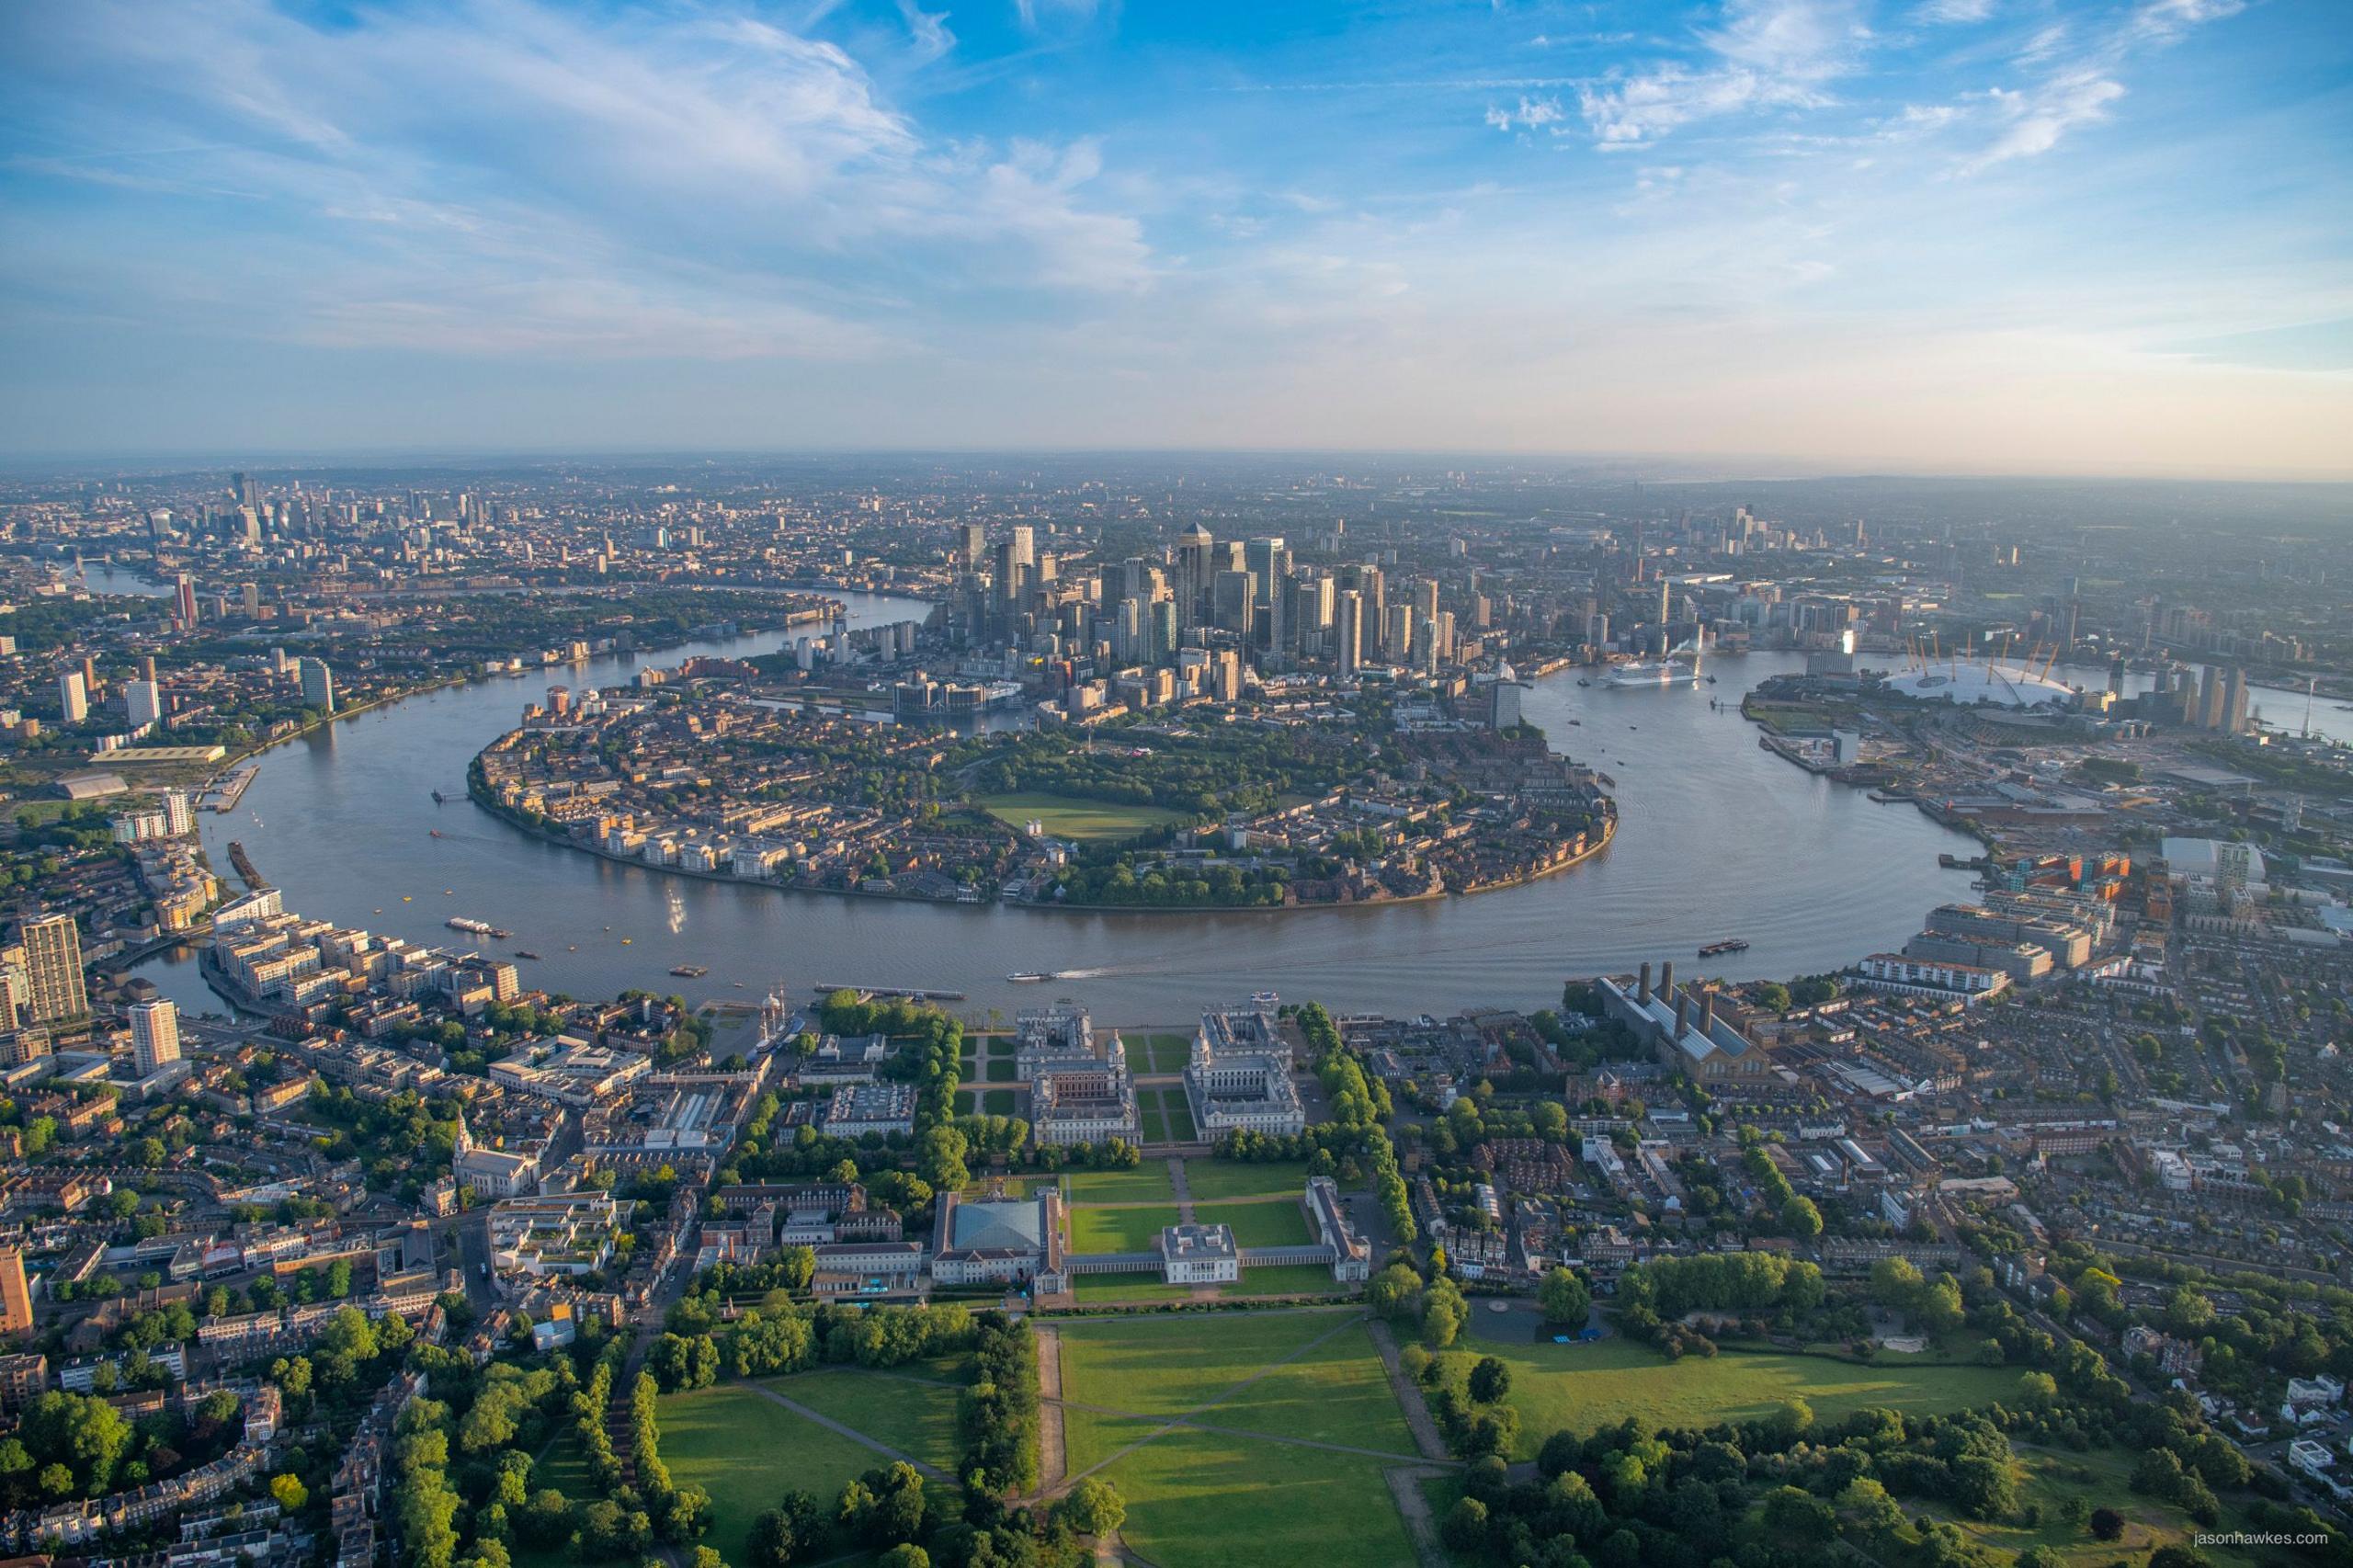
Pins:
x: 1643, y: 991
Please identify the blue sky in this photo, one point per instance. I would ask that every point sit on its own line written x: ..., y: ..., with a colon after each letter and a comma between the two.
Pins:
x: 1969, y: 235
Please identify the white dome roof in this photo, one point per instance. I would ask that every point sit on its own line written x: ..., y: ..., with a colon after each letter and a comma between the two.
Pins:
x: 2006, y: 686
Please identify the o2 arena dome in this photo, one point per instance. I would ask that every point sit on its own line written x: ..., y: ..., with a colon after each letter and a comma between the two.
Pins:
x: 2004, y: 686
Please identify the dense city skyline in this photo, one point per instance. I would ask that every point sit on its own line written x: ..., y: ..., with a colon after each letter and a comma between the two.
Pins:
x: 1759, y: 236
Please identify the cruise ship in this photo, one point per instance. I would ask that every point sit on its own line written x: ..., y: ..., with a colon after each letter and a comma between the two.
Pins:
x: 1679, y: 668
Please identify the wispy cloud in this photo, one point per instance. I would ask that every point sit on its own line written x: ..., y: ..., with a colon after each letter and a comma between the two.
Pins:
x: 1764, y: 54
x: 2036, y: 118
x: 1531, y: 114
x: 574, y: 173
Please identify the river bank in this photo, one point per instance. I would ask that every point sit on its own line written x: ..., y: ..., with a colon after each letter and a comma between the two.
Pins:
x: 1721, y: 839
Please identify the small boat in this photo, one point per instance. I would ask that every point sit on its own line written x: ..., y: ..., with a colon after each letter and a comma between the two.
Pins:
x: 408, y: 898
x: 440, y: 799
x: 525, y: 953
x: 1028, y: 976
x: 624, y: 941
x: 1730, y: 944
x: 574, y: 948
x: 690, y: 970
x: 433, y: 831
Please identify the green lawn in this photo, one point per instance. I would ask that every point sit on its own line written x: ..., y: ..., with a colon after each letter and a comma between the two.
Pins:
x: 917, y: 1418
x: 1001, y: 1070
x: 1173, y: 1365
x: 565, y: 1466
x: 1118, y: 1230
x: 1161, y: 1053
x: 1269, y: 1225
x: 1153, y: 1120
x: 1066, y: 816
x: 2101, y: 1478
x: 1225, y: 1499
x: 1584, y: 1387
x: 1214, y: 1181
x: 1147, y: 1183
x: 1293, y: 1279
x: 1181, y: 1115
x: 747, y: 1451
x: 963, y: 1102
x: 1127, y: 1287
x: 1207, y: 1500
x: 997, y: 1102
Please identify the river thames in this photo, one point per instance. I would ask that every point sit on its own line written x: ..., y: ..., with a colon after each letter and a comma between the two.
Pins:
x: 1717, y: 839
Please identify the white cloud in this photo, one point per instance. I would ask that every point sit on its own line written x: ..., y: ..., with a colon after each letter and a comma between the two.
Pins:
x: 1531, y: 114
x: 542, y: 176
x: 2038, y: 118
x: 2165, y: 20
x: 1954, y: 13
x: 1767, y: 54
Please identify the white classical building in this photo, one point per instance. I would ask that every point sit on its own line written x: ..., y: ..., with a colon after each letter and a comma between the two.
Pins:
x: 1199, y: 1255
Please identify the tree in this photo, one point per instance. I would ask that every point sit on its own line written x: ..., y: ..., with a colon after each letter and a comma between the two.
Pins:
x: 1392, y: 1289
x: 1565, y: 1297
x: 289, y: 1492
x: 1490, y: 1379
x: 907, y: 1555
x: 2106, y: 1525
x: 1465, y: 1526
x: 1800, y: 1218
x: 1093, y: 1507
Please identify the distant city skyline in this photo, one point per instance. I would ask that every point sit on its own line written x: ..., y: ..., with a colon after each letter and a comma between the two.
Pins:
x: 1967, y: 236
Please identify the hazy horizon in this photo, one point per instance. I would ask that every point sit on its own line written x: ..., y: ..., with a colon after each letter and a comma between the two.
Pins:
x: 1987, y: 238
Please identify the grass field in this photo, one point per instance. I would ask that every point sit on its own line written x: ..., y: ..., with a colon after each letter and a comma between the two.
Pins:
x: 1067, y: 817
x: 1207, y: 1500
x: 2101, y: 1478
x: 1099, y: 1287
x: 963, y: 1102
x: 1001, y: 1070
x: 747, y: 1451
x: 1274, y: 1224
x: 1240, y: 1497
x: 917, y: 1418
x: 1295, y: 1279
x: 1120, y: 1230
x: 1167, y: 1115
x: 1147, y: 1183
x: 1216, y: 1181
x: 1583, y: 1387
x: 1161, y: 1053
x: 997, y: 1102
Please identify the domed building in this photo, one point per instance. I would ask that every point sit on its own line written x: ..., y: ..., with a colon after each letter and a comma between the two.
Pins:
x: 1987, y: 681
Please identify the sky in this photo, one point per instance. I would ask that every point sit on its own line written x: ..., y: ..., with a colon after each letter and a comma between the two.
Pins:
x: 1769, y: 235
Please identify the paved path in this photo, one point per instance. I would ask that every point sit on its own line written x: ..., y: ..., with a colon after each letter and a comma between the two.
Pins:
x: 1406, y: 1491
x: 1053, y: 1457
x: 1423, y: 1425
x: 1183, y: 1192
x: 930, y: 1471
